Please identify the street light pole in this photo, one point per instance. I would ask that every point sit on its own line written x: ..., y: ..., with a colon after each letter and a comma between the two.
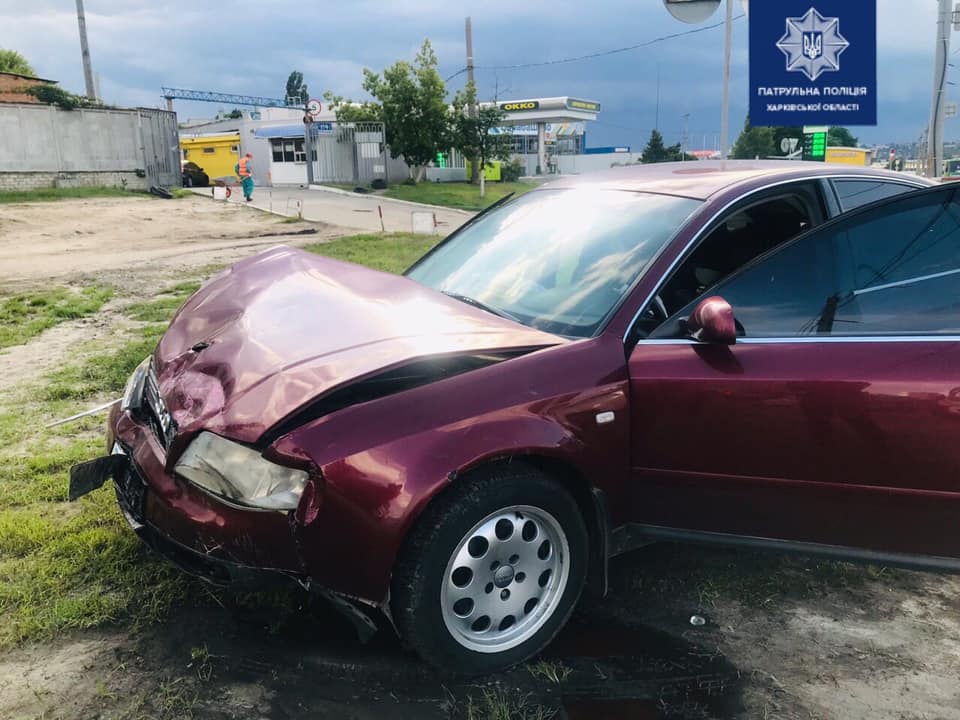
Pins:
x: 935, y: 130
x: 725, y: 110
x: 85, y: 52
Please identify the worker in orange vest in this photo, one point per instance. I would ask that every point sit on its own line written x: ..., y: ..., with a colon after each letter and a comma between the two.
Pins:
x: 245, y: 171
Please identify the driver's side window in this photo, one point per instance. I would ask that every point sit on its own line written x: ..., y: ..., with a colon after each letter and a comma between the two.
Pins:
x: 743, y: 235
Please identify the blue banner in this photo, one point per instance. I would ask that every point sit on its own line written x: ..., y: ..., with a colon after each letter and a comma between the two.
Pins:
x: 813, y: 62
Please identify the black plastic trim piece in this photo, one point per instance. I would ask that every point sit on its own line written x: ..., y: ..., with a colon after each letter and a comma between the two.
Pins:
x: 413, y: 374
x: 632, y: 536
x: 598, y: 577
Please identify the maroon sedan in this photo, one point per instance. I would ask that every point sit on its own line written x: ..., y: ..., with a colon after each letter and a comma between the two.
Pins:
x: 689, y: 351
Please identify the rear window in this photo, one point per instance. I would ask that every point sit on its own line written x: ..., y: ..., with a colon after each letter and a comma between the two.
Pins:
x: 857, y: 193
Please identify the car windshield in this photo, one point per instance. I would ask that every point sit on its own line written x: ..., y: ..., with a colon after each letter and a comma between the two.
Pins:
x: 557, y: 260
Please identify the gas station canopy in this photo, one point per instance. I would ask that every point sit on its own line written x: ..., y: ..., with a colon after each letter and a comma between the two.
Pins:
x: 547, y: 110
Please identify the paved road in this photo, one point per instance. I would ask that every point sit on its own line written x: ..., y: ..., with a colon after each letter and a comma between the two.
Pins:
x: 349, y: 210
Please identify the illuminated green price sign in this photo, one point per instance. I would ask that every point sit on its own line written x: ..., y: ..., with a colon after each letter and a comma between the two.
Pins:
x: 815, y: 146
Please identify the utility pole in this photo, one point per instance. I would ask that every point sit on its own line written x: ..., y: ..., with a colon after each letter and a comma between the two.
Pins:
x: 725, y: 111
x: 935, y: 129
x: 656, y: 124
x: 474, y: 170
x: 85, y: 52
x: 685, y: 140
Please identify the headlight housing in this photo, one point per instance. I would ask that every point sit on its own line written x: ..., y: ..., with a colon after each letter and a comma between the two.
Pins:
x: 133, y: 392
x: 240, y: 474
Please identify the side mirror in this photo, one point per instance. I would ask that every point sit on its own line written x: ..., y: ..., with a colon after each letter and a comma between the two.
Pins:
x: 712, y: 322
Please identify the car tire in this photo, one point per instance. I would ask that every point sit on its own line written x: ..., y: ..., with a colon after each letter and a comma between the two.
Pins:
x: 491, y: 572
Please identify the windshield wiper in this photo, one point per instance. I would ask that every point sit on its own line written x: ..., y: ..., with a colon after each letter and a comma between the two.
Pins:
x: 483, y: 306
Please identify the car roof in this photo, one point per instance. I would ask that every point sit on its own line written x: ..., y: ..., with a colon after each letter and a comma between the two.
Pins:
x: 701, y: 179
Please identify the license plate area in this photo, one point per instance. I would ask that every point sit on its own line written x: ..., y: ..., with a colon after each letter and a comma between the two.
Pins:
x: 131, y: 492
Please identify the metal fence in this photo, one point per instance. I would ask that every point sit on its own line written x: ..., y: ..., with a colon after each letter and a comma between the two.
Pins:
x: 141, y: 144
x: 349, y: 152
x: 160, y: 144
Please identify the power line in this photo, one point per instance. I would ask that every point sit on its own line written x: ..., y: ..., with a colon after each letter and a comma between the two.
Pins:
x: 594, y: 55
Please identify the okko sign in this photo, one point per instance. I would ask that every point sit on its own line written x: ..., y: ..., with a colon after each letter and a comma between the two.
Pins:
x: 813, y: 62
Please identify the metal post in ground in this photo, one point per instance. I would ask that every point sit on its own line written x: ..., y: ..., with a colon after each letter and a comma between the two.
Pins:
x: 935, y: 134
x: 725, y: 111
x: 85, y: 52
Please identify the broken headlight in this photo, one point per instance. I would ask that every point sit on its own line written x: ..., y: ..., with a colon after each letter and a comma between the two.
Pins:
x: 134, y: 389
x: 237, y: 473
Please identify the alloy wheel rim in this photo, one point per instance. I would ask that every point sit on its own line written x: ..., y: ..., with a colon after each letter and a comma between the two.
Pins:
x: 505, y: 579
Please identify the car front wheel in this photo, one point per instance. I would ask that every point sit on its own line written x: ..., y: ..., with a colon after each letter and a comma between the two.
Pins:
x: 491, y: 572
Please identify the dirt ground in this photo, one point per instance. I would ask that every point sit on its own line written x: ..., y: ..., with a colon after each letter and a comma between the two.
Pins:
x: 781, y: 638
x: 72, y: 238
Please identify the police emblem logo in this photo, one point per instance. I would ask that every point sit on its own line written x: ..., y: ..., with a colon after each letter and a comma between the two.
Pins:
x: 813, y: 44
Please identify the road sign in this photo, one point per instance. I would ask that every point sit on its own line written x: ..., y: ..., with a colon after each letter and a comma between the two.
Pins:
x: 313, y: 109
x: 789, y: 145
x: 813, y: 61
x: 815, y: 146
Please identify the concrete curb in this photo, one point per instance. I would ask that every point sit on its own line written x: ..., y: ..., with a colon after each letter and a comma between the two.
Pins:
x: 381, y: 198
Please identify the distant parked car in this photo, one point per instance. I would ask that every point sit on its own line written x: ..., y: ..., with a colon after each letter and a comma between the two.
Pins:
x: 194, y: 176
x: 754, y: 354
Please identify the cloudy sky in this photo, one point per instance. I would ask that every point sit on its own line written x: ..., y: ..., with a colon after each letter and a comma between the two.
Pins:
x: 250, y: 46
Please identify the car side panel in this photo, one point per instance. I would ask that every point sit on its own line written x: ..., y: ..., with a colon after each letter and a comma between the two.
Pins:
x: 842, y: 443
x: 382, y: 462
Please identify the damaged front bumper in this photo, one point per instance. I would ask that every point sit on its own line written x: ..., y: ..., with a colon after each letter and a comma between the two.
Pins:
x: 219, y: 543
x: 137, y: 503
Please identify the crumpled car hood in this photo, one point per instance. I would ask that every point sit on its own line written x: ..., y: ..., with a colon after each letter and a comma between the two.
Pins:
x: 275, y: 331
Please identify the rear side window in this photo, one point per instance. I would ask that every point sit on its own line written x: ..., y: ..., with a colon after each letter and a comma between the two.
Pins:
x: 857, y: 193
x: 901, y: 271
x: 892, y: 270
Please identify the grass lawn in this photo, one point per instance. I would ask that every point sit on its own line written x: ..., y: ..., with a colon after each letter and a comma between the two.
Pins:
x: 393, y: 252
x: 457, y: 195
x: 28, y: 314
x: 47, y: 194
x: 77, y: 565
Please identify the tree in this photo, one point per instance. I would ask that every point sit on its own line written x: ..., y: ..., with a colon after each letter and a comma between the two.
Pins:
x: 657, y: 152
x: 348, y: 111
x: 54, y: 95
x: 296, y: 88
x: 235, y: 114
x: 841, y: 137
x: 754, y: 142
x: 13, y: 62
x: 413, y: 107
x: 475, y: 134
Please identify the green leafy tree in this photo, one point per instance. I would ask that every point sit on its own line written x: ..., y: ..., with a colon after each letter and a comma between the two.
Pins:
x: 296, y: 91
x: 13, y: 62
x: 348, y: 111
x: 413, y: 105
x: 474, y: 133
x: 841, y: 137
x: 754, y: 142
x: 235, y: 114
x: 53, y: 95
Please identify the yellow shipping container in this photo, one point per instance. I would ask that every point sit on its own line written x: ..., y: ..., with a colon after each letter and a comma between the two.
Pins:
x: 216, y: 154
x: 491, y: 172
x: 849, y: 156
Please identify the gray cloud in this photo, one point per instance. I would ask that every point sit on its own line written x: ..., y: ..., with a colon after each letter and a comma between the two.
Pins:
x: 249, y: 47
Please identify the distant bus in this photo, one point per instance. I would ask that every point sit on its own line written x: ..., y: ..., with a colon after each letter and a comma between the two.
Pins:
x: 951, y: 168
